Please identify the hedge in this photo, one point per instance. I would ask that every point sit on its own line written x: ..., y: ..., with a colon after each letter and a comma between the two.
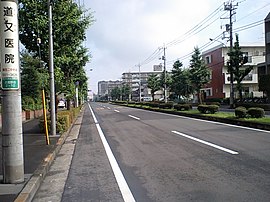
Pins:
x: 240, y: 112
x: 256, y: 112
x: 182, y: 107
x: 64, y: 120
x: 208, y: 109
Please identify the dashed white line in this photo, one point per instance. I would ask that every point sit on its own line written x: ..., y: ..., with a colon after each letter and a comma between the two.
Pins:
x: 121, y: 181
x: 134, y: 117
x: 116, y: 111
x: 206, y: 143
x: 213, y: 122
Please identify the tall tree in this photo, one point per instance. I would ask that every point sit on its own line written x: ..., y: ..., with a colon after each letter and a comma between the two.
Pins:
x: 180, y: 84
x: 70, y: 22
x: 125, y: 92
x: 115, y: 93
x: 199, y: 72
x: 153, y: 83
x: 236, y: 66
x: 34, y: 77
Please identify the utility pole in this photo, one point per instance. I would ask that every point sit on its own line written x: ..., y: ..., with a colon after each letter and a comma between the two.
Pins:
x: 12, y: 138
x: 165, y: 76
x: 229, y: 7
x: 140, y: 90
x: 51, y: 71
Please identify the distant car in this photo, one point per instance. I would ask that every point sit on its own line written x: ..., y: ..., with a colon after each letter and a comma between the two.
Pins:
x: 61, y: 104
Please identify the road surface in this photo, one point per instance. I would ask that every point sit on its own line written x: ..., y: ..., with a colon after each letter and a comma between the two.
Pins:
x: 127, y: 154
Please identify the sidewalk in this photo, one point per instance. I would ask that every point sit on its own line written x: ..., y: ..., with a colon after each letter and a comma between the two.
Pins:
x: 36, y: 154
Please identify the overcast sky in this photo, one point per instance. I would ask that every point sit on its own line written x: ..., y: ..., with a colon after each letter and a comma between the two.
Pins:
x: 127, y: 32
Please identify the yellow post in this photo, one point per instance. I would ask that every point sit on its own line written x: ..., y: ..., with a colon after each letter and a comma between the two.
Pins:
x: 45, y: 118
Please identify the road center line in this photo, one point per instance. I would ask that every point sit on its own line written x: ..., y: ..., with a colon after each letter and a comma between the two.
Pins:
x: 121, y: 181
x: 116, y: 111
x: 206, y: 143
x: 134, y: 117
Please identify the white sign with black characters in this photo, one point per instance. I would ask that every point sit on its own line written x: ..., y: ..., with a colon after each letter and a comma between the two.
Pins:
x: 9, y: 45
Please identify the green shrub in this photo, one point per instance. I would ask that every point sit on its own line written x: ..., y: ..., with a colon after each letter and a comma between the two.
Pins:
x: 167, y: 105
x: 208, y: 109
x: 131, y: 102
x: 153, y: 104
x: 64, y: 120
x: 240, y: 112
x: 183, y: 107
x: 256, y: 112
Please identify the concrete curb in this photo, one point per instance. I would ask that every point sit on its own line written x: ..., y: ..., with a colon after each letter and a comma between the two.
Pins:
x: 32, y: 186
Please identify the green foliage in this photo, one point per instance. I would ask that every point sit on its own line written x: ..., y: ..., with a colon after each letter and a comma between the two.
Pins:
x: 153, y: 83
x: 116, y: 93
x: 70, y: 23
x: 33, y: 77
x: 153, y: 104
x: 168, y: 105
x: 208, y: 109
x: 199, y: 72
x: 182, y: 107
x: 125, y: 92
x: 256, y: 112
x: 180, y: 84
x: 64, y: 120
x: 235, y: 66
x: 28, y: 103
x: 240, y: 112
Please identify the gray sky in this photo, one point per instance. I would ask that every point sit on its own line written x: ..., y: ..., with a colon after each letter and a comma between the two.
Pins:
x: 127, y: 32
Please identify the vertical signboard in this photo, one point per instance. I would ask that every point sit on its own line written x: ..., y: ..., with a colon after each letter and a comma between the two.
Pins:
x: 9, y: 45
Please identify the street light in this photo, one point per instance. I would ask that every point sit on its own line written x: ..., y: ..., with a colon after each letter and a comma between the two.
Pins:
x: 223, y: 44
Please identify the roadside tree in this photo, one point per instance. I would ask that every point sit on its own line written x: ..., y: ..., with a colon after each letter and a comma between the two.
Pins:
x: 180, y: 81
x: 236, y: 66
x: 70, y: 22
x: 199, y: 72
x: 153, y: 82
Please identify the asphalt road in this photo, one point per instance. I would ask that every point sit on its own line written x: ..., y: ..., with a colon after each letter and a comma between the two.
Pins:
x: 158, y: 157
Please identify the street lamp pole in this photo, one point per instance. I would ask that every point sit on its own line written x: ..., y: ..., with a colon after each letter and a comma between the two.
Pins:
x: 51, y: 71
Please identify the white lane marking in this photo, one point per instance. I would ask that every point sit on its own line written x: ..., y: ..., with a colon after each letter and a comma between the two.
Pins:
x: 108, y: 108
x: 207, y: 143
x: 207, y: 121
x: 116, y: 111
x: 134, y: 117
x: 123, y: 186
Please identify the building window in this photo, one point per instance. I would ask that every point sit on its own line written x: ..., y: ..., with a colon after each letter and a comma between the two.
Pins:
x: 208, y: 59
x: 248, y: 77
x: 245, y: 54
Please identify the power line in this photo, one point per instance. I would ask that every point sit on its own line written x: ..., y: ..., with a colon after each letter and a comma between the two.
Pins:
x: 194, y: 31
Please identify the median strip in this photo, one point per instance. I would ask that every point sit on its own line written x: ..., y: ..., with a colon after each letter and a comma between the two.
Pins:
x: 206, y: 143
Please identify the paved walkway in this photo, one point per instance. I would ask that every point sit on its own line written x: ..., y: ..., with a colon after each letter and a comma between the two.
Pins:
x: 35, y: 151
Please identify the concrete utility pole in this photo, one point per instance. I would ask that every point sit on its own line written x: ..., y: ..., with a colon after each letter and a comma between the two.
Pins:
x: 12, y: 139
x: 229, y: 7
x: 51, y: 70
x: 140, y: 88
x: 165, y: 76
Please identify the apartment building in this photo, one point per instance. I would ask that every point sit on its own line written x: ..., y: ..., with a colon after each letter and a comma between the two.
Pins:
x: 105, y: 87
x: 138, y: 82
x: 219, y: 86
